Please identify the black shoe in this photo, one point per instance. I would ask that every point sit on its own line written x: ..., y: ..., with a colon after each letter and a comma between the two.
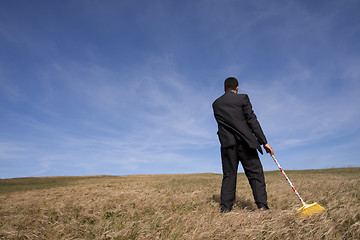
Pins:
x: 262, y: 206
x: 224, y: 210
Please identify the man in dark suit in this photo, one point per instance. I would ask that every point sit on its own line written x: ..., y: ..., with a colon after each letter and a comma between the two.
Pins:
x: 240, y: 135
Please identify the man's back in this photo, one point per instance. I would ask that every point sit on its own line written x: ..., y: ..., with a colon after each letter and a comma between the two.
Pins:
x: 236, y: 119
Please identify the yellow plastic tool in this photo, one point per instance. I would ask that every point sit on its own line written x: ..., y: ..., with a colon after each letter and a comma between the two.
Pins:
x: 307, y: 210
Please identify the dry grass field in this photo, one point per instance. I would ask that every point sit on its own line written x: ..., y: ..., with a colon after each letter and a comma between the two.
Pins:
x: 177, y: 207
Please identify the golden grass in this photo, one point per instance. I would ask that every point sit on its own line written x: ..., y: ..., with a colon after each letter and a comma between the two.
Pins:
x: 177, y: 207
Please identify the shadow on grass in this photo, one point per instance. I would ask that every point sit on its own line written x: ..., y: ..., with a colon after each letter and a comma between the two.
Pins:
x: 240, y: 203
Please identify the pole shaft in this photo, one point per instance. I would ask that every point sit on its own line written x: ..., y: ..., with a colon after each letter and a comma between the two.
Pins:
x: 288, y: 180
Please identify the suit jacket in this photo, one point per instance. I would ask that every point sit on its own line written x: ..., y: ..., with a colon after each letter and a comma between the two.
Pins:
x: 237, y: 121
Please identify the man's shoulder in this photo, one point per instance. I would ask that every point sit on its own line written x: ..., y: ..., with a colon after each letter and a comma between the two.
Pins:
x: 228, y: 96
x: 238, y: 97
x: 231, y: 97
x: 218, y: 99
x: 242, y: 95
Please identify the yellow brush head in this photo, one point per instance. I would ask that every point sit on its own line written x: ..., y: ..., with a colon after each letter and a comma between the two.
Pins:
x: 309, y: 210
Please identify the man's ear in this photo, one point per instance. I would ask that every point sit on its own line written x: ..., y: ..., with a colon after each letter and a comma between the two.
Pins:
x: 237, y: 88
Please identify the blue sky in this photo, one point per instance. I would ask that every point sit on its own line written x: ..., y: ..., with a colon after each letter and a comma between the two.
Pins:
x: 126, y: 87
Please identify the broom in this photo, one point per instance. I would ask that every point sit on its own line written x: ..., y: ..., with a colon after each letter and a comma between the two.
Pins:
x: 306, y: 210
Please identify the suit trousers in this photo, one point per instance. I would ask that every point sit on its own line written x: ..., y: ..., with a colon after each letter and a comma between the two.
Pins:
x: 250, y: 161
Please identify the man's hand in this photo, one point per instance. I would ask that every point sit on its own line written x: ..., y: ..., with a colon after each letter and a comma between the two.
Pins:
x: 269, y: 149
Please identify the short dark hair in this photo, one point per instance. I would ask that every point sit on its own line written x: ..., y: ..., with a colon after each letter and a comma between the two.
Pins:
x: 231, y: 83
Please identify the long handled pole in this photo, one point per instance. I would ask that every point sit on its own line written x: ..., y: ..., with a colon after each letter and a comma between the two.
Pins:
x: 287, y: 179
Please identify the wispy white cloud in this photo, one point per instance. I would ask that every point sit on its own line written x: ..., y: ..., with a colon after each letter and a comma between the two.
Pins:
x: 296, y: 110
x: 10, y: 151
x: 164, y: 116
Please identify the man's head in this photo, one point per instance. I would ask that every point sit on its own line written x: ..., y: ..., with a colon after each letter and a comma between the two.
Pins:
x: 231, y: 84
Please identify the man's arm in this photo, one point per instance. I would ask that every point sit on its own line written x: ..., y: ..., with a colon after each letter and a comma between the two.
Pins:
x: 252, y: 121
x: 255, y: 126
